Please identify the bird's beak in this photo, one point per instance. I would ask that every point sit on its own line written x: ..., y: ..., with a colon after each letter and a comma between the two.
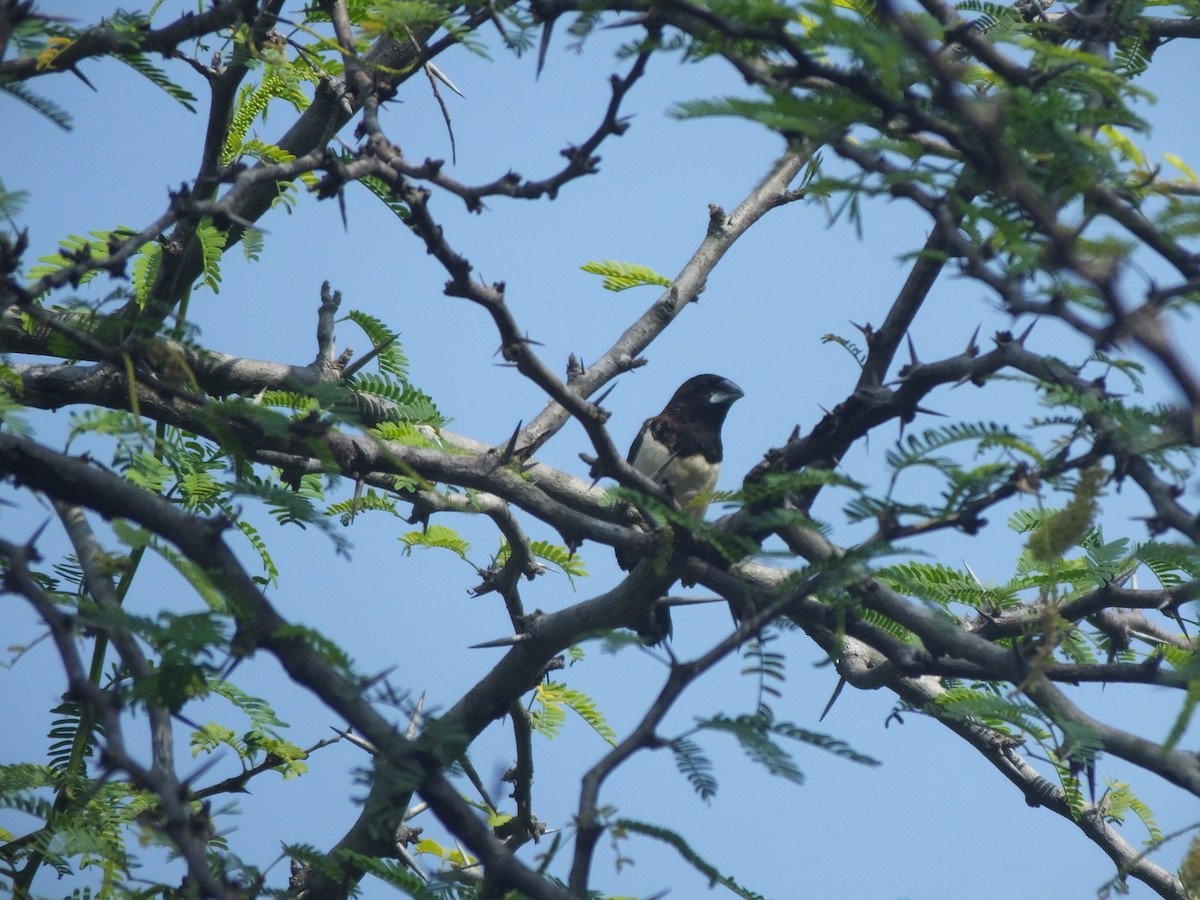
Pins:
x: 727, y: 393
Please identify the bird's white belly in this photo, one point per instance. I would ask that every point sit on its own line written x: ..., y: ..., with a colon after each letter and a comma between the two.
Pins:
x: 691, y: 478
x: 686, y: 477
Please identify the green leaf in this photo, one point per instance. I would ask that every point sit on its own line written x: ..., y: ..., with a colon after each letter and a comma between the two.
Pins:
x: 994, y: 711
x: 12, y: 417
x: 1190, y: 703
x: 918, y: 449
x: 409, y: 434
x: 754, y: 734
x: 279, y: 82
x: 75, y: 247
x: 436, y: 536
x: 212, y: 245
x: 1171, y: 564
x: 768, y: 666
x: 38, y: 103
x: 288, y: 506
x: 139, y: 63
x: 1024, y: 521
x: 566, y: 561
x: 848, y: 345
x: 1105, y: 560
x: 368, y: 501
x: 391, y: 358
x: 942, y: 584
x: 688, y: 855
x: 11, y: 202
x: 395, y: 874
x: 1177, y: 161
x: 145, y: 271
x: 695, y: 766
x: 554, y: 697
x: 1119, y: 800
x: 252, y: 244
x: 402, y: 402
x: 381, y: 189
x: 210, y: 737
x: 620, y: 276
x: 256, y: 541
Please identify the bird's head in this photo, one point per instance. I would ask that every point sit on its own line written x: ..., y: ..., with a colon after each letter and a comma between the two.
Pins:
x: 709, y: 396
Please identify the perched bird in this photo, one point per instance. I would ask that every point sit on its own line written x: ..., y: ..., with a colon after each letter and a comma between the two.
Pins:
x: 680, y: 448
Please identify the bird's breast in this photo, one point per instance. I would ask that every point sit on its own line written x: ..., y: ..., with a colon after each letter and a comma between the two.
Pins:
x: 686, y: 477
x: 689, y: 477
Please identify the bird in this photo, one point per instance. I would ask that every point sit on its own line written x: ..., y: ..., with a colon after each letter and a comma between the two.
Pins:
x: 680, y: 448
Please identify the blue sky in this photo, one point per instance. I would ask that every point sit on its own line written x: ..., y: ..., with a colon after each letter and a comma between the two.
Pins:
x: 934, y: 821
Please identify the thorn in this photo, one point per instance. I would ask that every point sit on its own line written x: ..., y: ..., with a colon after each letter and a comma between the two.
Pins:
x: 604, y: 396
x: 1175, y: 614
x: 1148, y: 637
x: 415, y: 810
x: 495, y: 19
x: 356, y: 503
x: 1025, y: 333
x: 543, y: 47
x: 511, y: 447
x: 510, y: 641
x: 33, y: 539
x: 972, y: 344
x: 912, y: 351
x: 414, y: 723
x: 441, y: 76
x: 409, y: 860
x: 357, y: 741
x: 204, y: 767
x: 231, y: 668
x: 75, y: 71
x: 375, y: 679
x: 688, y: 601
x: 351, y: 370
x: 593, y: 465
x: 627, y: 23
x: 971, y: 572
x: 928, y: 412
x: 837, y: 692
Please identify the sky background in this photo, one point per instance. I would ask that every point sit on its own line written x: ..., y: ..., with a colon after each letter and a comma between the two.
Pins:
x: 934, y: 821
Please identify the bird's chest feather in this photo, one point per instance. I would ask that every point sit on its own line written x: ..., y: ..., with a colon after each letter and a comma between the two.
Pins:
x: 686, y: 476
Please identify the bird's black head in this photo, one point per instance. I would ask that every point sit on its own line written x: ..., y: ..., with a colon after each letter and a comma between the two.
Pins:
x: 706, y: 397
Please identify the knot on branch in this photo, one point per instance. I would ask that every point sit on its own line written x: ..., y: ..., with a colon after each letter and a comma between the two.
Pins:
x: 717, y: 220
x: 11, y: 251
x: 335, y: 176
x: 581, y: 161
